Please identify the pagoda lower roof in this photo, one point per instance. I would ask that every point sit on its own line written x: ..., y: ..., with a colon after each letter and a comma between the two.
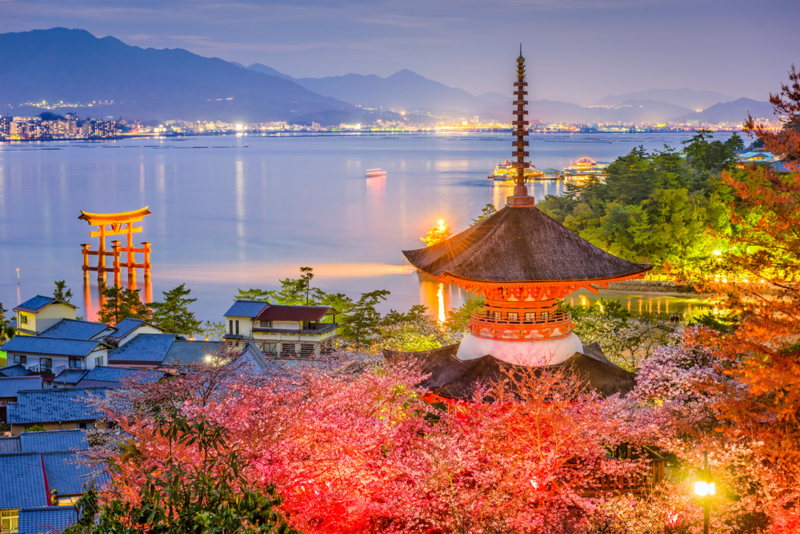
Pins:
x: 520, y: 244
x: 455, y: 379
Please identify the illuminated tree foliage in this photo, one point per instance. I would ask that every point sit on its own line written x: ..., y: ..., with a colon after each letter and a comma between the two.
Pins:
x: 653, y: 207
x: 756, y: 276
x: 437, y: 234
x: 350, y: 446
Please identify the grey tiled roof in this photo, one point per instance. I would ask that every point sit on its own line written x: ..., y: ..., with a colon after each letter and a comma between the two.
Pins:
x: 48, y: 345
x: 144, y: 348
x: 74, y: 329
x: 70, y: 376
x: 125, y: 327
x: 118, y: 374
x: 46, y: 520
x: 53, y: 441
x: 246, y: 308
x: 10, y: 386
x: 52, y: 405
x: 23, y: 481
x: 13, y: 370
x: 36, y: 303
x: 188, y: 352
x: 9, y: 445
x: 67, y: 477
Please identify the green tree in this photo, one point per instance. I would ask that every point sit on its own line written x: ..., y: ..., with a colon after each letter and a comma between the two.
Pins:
x: 339, y: 303
x: 296, y: 291
x: 60, y: 294
x: 173, y: 314
x: 487, y: 211
x: 363, y: 322
x: 120, y: 304
x: 213, y: 330
x: 735, y: 142
x: 252, y: 294
x: 35, y: 428
x: 211, y: 496
x: 458, y: 318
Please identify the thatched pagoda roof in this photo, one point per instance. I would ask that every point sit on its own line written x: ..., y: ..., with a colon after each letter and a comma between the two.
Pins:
x: 456, y: 379
x: 520, y: 245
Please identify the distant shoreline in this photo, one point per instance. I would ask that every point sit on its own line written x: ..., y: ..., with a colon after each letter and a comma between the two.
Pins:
x: 312, y: 133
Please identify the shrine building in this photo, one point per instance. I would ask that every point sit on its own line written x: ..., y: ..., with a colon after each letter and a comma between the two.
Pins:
x: 522, y: 262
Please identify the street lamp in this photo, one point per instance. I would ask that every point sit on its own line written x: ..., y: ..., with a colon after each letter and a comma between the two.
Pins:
x: 705, y: 489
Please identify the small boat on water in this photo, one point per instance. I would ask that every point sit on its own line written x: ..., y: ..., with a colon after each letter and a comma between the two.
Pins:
x: 505, y: 172
x: 375, y: 173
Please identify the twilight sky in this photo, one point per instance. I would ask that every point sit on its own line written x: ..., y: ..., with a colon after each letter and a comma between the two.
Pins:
x: 577, y: 50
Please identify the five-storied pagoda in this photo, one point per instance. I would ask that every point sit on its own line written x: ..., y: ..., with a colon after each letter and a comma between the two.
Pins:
x: 522, y: 262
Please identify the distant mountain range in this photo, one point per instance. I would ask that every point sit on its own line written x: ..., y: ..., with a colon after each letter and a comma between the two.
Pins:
x: 402, y: 90
x: 75, y: 66
x: 147, y: 84
x: 686, y: 98
x: 735, y: 111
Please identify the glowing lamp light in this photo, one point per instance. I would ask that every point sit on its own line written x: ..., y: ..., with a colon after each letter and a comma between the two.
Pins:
x: 704, y: 489
x: 442, y: 226
x: 239, y: 127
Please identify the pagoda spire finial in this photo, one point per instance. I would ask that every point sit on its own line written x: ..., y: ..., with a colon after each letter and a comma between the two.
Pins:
x: 521, y: 197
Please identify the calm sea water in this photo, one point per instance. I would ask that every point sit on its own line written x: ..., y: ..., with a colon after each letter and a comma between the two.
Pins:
x: 238, y: 212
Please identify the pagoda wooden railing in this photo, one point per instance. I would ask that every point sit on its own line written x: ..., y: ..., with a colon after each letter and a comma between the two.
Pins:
x: 552, y: 326
x: 630, y: 484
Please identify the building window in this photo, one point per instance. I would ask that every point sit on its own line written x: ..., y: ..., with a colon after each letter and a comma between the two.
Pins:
x: 513, y: 316
x: 498, y: 316
x: 23, y: 318
x: 20, y: 359
x: 530, y: 316
x: 237, y: 327
x: 98, y: 360
x: 266, y: 324
x: 45, y: 364
x: 85, y: 426
x: 230, y: 326
x: 545, y: 315
x: 75, y: 363
x: 9, y: 520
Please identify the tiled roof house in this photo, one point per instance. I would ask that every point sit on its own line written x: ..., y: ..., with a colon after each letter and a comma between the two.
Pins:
x: 54, y: 409
x: 281, y: 330
x: 40, y: 313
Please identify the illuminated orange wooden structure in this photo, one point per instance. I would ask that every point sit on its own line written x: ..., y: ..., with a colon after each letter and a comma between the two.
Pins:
x: 523, y: 262
x: 112, y: 224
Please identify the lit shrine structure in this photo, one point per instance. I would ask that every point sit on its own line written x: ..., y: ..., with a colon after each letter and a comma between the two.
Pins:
x: 113, y: 224
x: 522, y: 262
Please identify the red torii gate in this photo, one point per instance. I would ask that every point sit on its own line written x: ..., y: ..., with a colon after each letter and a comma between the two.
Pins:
x: 111, y: 224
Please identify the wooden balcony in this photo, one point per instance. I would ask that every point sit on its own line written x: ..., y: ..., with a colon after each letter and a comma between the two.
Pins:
x: 636, y: 485
x: 521, y: 326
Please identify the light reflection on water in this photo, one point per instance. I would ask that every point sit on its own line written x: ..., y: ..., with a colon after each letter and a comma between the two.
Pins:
x: 239, y: 212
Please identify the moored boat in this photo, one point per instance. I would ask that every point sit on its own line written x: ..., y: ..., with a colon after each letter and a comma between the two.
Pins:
x: 584, y: 167
x: 505, y: 172
x: 375, y: 173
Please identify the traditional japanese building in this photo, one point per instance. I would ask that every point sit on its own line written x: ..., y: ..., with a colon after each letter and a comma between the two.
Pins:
x: 522, y: 262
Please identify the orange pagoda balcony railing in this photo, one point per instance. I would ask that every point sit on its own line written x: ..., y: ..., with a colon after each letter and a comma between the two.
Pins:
x: 520, y: 326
